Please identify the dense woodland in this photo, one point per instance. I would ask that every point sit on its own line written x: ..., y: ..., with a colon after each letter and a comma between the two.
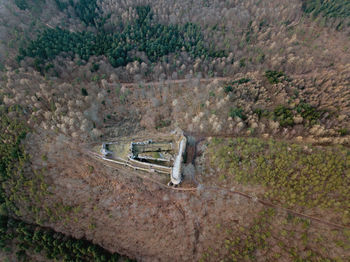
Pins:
x: 143, y: 35
x: 13, y: 157
x: 237, y: 39
x: 55, y: 246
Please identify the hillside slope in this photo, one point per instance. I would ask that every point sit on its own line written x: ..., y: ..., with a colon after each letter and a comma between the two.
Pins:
x: 260, y: 89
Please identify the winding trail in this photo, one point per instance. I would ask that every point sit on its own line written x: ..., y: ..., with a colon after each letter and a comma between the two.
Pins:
x: 178, y: 81
x: 218, y: 190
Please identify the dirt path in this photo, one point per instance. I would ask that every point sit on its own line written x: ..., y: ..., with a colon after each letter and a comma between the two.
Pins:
x: 222, y: 190
x: 178, y: 81
x: 280, y: 208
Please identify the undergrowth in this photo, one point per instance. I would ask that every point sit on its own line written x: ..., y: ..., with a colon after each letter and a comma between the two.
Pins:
x: 280, y: 237
x: 291, y: 174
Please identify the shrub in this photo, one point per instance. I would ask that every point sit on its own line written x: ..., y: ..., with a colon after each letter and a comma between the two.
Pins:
x: 21, y: 4
x: 274, y: 77
x: 84, y: 92
x: 241, y: 81
x: 242, y: 62
x: 261, y: 112
x: 163, y: 123
x: 237, y: 112
x: 260, y: 58
x: 228, y: 89
x: 343, y: 132
x: 308, y: 112
x: 94, y: 67
x: 284, y: 116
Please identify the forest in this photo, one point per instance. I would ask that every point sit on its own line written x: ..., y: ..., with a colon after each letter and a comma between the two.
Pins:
x: 16, y: 233
x: 54, y: 245
x: 13, y: 157
x: 260, y: 88
x: 331, y: 9
x: 143, y: 35
x: 268, y: 160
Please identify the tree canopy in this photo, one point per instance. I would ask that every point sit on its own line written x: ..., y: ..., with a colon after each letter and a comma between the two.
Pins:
x: 27, y: 236
x: 333, y: 9
x: 144, y: 34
